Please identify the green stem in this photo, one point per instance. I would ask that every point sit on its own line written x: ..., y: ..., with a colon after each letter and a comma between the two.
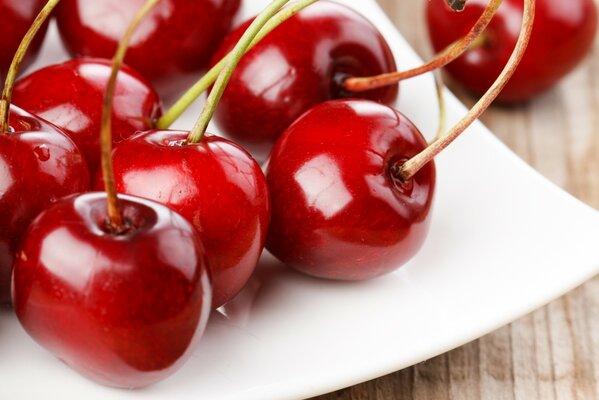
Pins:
x: 13, y: 71
x: 413, y: 165
x: 197, y: 133
x: 116, y: 220
x: 482, y: 41
x: 170, y: 116
x: 442, y: 107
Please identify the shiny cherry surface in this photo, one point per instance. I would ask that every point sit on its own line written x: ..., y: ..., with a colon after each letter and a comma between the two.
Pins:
x: 126, y: 309
x: 178, y: 36
x: 297, y: 66
x: 562, y: 36
x: 70, y: 96
x: 215, y: 184
x: 338, y: 212
x: 39, y: 164
x: 16, y: 16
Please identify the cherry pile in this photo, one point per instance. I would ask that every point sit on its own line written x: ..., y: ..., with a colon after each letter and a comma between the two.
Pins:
x: 119, y: 282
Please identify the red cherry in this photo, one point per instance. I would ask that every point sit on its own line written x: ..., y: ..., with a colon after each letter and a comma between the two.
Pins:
x: 70, y: 95
x: 16, y: 16
x: 215, y: 184
x: 300, y: 64
x: 178, y: 36
x: 38, y: 165
x: 339, y: 210
x: 124, y: 309
x: 563, y: 35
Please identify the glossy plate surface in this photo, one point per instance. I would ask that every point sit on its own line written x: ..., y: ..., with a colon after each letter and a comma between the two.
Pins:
x: 504, y: 241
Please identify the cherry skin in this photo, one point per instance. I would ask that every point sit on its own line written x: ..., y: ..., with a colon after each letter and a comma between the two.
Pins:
x: 179, y: 36
x: 300, y: 64
x: 16, y: 16
x: 70, y: 96
x: 563, y: 35
x: 125, y: 310
x: 39, y: 164
x: 215, y: 184
x: 339, y: 210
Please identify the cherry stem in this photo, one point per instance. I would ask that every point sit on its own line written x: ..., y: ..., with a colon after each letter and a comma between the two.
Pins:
x: 442, y: 107
x: 197, y: 133
x: 116, y: 220
x: 413, y: 165
x: 457, y: 5
x: 170, y: 116
x: 450, y: 53
x: 13, y: 71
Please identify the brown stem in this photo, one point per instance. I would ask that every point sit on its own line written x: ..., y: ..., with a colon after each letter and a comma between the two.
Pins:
x: 116, y: 220
x: 446, y: 56
x: 457, y: 5
x: 13, y: 71
x: 412, y: 166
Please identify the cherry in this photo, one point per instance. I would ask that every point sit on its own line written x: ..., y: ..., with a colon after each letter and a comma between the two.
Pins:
x: 16, y: 16
x: 70, y: 95
x: 115, y: 287
x: 178, y: 37
x: 124, y: 309
x: 339, y: 207
x: 300, y: 64
x: 215, y: 184
x: 39, y: 164
x: 562, y: 36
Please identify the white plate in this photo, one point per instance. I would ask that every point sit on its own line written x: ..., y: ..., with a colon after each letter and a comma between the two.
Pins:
x: 504, y: 241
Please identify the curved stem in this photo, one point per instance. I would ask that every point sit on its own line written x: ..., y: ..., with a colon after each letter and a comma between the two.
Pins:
x: 116, y: 220
x: 412, y: 166
x: 13, y: 71
x: 442, y: 108
x: 170, y: 116
x: 240, y: 49
x: 450, y: 53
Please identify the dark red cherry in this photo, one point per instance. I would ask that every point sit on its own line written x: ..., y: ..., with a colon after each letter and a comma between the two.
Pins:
x: 70, y: 95
x: 16, y: 16
x: 300, y: 64
x: 339, y: 208
x: 214, y: 184
x: 39, y: 164
x: 179, y: 36
x: 125, y: 309
x: 562, y: 36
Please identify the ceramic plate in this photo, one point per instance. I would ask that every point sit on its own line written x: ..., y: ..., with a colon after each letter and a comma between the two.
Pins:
x: 503, y: 242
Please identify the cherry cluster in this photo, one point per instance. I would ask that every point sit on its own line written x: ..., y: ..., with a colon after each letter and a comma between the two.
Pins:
x: 120, y: 287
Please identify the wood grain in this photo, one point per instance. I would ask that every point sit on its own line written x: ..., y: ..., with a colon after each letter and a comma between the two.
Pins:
x: 552, y: 354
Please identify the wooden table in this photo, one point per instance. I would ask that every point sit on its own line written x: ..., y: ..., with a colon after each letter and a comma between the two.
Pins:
x: 554, y: 352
